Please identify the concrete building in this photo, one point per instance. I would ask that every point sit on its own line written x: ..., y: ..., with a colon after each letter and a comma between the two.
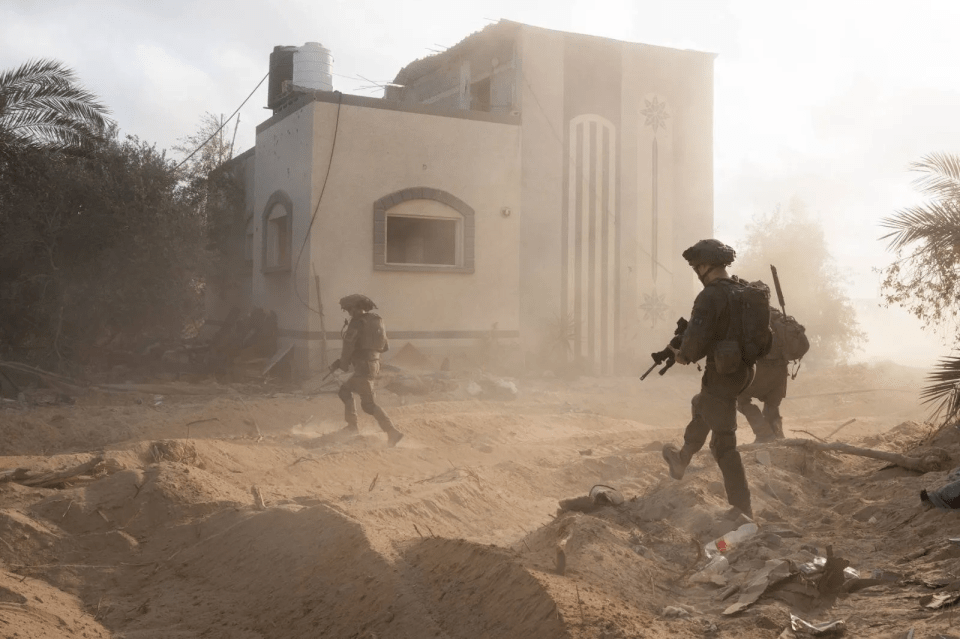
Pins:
x: 523, y: 185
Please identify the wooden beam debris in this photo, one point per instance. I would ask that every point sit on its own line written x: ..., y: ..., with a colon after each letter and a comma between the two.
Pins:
x: 935, y: 459
x: 52, y: 479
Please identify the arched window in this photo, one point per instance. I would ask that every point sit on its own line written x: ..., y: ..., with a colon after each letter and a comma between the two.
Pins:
x: 277, y: 233
x: 423, y: 229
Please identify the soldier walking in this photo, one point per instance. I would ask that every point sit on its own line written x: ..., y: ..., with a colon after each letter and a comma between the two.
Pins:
x: 364, y: 338
x: 715, y: 406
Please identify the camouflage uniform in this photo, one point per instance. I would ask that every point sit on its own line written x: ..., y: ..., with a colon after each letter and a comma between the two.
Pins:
x: 714, y: 408
x: 770, y: 387
x: 366, y: 369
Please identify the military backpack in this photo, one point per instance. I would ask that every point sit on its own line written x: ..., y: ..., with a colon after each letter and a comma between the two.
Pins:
x: 749, y: 336
x: 789, y: 337
x: 372, y: 335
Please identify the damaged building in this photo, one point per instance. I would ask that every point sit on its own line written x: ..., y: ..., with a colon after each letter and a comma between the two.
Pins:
x: 527, y: 185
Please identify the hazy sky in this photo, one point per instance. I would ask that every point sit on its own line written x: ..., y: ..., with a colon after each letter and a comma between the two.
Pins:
x: 825, y: 101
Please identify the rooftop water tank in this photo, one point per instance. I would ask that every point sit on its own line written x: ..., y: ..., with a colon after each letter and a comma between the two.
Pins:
x: 313, y: 66
x: 281, y: 70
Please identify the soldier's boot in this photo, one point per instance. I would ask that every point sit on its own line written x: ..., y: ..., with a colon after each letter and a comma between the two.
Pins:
x: 349, y: 429
x: 735, y: 481
x: 677, y: 460
x: 393, y: 437
x: 776, y: 425
x: 386, y: 425
x: 758, y: 424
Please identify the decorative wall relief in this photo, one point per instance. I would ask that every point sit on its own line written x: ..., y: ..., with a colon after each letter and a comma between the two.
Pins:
x: 589, y: 241
x: 654, y: 307
x: 656, y: 114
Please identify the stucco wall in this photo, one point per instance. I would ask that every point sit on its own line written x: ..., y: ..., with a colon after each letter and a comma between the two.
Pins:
x: 379, y: 152
x: 284, y: 163
x: 625, y: 295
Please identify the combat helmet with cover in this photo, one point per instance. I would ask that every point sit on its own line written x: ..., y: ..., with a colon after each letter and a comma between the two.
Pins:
x: 711, y: 252
x: 356, y: 300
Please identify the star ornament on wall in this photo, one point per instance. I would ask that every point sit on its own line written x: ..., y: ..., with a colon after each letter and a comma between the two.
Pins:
x: 654, y: 307
x: 656, y: 113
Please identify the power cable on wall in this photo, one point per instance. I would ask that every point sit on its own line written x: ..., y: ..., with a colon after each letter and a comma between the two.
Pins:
x: 316, y: 210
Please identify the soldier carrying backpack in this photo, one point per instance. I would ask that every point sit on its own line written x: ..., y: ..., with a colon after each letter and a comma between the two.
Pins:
x: 364, y: 338
x: 730, y: 326
x: 769, y: 385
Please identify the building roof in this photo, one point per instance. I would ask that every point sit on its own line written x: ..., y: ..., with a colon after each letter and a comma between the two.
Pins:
x: 503, y: 29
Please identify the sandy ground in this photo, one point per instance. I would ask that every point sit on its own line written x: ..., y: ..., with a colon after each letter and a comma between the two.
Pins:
x: 237, y: 513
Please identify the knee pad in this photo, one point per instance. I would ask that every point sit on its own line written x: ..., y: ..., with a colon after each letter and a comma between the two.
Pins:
x: 694, y: 406
x: 344, y: 394
x: 369, y: 407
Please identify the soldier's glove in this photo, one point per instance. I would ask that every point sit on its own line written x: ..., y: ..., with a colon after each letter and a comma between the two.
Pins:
x: 661, y: 356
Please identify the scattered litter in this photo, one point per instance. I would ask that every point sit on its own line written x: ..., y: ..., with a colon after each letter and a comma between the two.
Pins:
x: 157, y: 400
x: 606, y: 495
x: 713, y: 571
x: 731, y: 539
x: 817, y: 629
x: 813, y: 567
x: 775, y: 571
x: 675, y: 612
x: 763, y: 457
x: 947, y: 497
x: 586, y: 452
x: 936, y: 602
x: 851, y: 573
x: 473, y: 389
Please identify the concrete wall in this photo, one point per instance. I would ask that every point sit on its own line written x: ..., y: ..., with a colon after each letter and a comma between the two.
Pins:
x: 285, y: 164
x: 380, y: 151
x: 587, y: 107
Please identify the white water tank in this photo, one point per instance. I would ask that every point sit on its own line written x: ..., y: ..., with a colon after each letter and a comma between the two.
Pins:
x: 313, y: 66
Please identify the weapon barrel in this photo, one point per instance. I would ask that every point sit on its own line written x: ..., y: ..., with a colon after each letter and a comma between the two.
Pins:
x: 776, y: 283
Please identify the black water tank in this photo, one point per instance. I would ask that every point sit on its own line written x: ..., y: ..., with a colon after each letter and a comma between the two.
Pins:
x: 281, y: 68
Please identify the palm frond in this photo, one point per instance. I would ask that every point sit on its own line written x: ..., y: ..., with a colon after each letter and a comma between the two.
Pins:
x: 935, y: 223
x: 41, y: 105
x: 941, y: 175
x: 944, y: 389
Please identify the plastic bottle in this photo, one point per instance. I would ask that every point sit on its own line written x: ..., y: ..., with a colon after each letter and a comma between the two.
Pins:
x: 731, y: 539
x: 716, y: 566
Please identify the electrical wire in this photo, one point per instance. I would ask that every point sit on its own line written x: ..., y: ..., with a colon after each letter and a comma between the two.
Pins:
x: 323, y: 187
x: 224, y: 123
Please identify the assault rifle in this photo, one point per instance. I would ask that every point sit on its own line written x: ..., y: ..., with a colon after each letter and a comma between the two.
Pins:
x: 669, y: 354
x: 333, y: 367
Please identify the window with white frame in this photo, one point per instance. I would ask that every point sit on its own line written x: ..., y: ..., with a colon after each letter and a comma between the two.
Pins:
x: 424, y: 232
x: 423, y: 229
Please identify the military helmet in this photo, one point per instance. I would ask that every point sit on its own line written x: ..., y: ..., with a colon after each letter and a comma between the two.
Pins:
x: 763, y: 287
x: 712, y: 252
x: 357, y: 300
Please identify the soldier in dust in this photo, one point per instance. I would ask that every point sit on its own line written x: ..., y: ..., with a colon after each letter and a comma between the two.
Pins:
x: 364, y: 338
x: 714, y: 408
x: 769, y: 386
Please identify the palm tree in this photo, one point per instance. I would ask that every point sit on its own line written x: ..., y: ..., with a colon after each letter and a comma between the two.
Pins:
x: 927, y: 278
x: 41, y: 106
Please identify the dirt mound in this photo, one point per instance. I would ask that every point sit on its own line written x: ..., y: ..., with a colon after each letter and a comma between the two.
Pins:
x: 218, y: 517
